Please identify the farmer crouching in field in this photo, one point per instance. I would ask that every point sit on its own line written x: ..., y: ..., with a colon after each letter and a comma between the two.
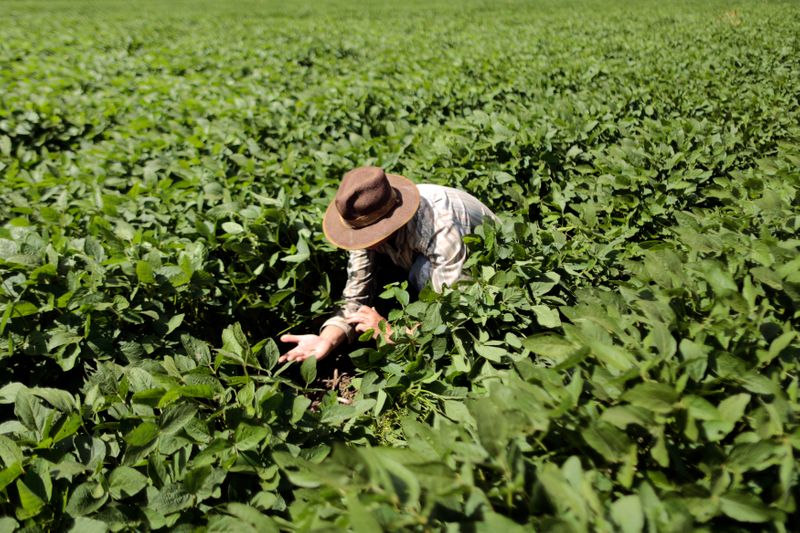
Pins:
x: 419, y: 227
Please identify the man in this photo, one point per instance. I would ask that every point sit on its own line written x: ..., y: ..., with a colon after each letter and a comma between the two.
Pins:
x: 419, y: 227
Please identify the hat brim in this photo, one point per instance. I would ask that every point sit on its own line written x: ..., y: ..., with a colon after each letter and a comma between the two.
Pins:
x: 343, y: 236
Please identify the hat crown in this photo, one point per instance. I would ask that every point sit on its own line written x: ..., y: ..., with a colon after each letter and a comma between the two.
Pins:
x: 369, y: 206
x: 364, y: 194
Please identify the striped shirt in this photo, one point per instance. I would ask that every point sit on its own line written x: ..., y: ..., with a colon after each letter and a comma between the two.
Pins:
x: 430, y: 246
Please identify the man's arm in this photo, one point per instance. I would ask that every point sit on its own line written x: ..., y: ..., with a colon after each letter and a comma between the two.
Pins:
x: 357, y: 292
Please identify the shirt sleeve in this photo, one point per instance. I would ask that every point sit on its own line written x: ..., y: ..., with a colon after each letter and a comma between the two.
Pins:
x: 447, y: 252
x: 358, y: 291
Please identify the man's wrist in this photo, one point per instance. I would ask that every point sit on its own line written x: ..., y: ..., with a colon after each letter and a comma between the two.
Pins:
x: 333, y: 335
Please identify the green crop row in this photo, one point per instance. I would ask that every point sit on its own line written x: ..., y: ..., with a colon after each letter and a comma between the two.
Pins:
x: 624, y: 358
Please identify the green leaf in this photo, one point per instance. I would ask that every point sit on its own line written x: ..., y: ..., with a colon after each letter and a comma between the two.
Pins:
x: 550, y: 345
x: 337, y: 414
x: 23, y: 308
x: 731, y: 409
x: 9, y: 474
x: 68, y: 469
x: 174, y: 323
x: 142, y: 435
x: 252, y: 517
x: 175, y: 417
x: 379, y: 403
x: 86, y: 499
x: 662, y: 339
x: 5, y: 145
x: 144, y: 272
x: 302, y: 254
x: 187, y: 391
x: 657, y: 397
x: 308, y: 369
x: 546, y: 316
x: 623, y: 415
x: 544, y: 284
x: 232, y: 227
x: 69, y: 427
x: 125, y: 481
x: 8, y: 394
x: 745, y: 508
x: 8, y: 524
x: 60, y: 399
x: 196, y: 349
x: 433, y: 317
x: 297, y: 470
x: 390, y: 474
x: 562, y: 494
x: 492, y: 426
x: 700, y: 408
x: 248, y: 437
x: 88, y: 525
x: 234, y: 341
x: 614, y: 356
x: 755, y: 456
x: 777, y: 346
x: 361, y: 520
x: 271, y: 354
x: 608, y: 441
x: 28, y: 410
x: 195, y: 480
x: 30, y: 502
x: 492, y: 353
x: 300, y: 405
x: 219, y: 523
x: 721, y: 282
x: 171, y: 499
x: 10, y: 453
x: 627, y: 512
x: 493, y: 522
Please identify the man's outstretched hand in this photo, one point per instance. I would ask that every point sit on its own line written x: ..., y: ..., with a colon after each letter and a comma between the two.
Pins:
x: 313, y: 345
x: 307, y: 346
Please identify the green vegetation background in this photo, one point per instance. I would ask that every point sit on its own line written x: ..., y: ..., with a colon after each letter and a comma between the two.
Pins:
x: 625, y: 357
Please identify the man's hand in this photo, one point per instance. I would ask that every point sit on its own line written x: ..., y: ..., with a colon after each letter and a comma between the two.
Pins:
x: 313, y: 345
x: 307, y: 346
x: 367, y: 318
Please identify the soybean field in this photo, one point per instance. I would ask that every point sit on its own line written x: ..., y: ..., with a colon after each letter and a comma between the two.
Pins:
x: 625, y: 356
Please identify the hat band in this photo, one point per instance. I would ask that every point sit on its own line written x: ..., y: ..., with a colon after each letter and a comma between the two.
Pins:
x: 370, y: 218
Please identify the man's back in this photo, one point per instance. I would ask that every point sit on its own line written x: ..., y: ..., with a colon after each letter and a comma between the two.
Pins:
x: 435, y: 235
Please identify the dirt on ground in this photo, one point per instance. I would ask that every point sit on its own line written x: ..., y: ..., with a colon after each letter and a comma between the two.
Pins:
x: 336, y: 375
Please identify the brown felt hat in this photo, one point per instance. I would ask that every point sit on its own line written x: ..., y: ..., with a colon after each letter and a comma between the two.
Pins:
x: 369, y: 206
